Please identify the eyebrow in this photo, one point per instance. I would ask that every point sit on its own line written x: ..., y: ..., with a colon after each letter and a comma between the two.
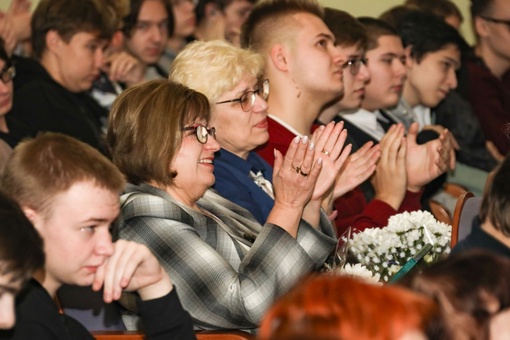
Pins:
x: 96, y: 220
x: 453, y: 61
x: 327, y: 36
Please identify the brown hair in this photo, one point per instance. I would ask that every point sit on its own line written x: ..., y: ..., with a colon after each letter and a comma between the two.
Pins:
x: 68, y: 17
x: 470, y: 287
x: 145, y: 128
x: 51, y: 163
x: 272, y: 20
x: 496, y: 200
x: 376, y: 28
x: 21, y: 247
x: 338, y: 307
x: 348, y: 31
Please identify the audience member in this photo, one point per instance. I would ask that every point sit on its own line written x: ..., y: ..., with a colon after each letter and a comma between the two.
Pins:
x: 68, y: 38
x: 372, y: 203
x: 487, y: 93
x: 7, y: 72
x: 228, y: 268
x: 21, y: 253
x: 146, y: 29
x: 222, y: 19
x: 491, y: 230
x: 69, y: 191
x: 473, y: 293
x: 337, y: 307
x: 184, y: 26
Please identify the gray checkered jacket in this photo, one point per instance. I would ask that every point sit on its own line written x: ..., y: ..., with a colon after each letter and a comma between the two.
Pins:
x: 226, y: 274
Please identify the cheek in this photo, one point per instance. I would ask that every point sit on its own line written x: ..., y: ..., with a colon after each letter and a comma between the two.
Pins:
x: 7, y: 315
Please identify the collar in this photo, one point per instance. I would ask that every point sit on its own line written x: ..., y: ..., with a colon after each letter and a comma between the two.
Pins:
x: 252, y: 163
x: 367, y: 121
x: 285, y: 125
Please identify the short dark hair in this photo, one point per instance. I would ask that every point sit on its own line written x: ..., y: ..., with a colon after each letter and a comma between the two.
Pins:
x: 426, y: 33
x: 394, y: 15
x: 21, y: 247
x: 480, y: 7
x: 68, y: 17
x: 496, y: 201
x: 130, y: 20
x: 348, y: 31
x: 267, y: 19
x: 222, y: 4
x: 376, y: 28
x: 3, y: 54
x: 441, y: 8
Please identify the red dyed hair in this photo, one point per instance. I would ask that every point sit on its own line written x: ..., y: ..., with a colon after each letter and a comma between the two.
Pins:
x: 337, y: 307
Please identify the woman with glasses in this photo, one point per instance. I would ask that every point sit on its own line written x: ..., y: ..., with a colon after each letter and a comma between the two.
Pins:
x: 227, y: 267
x: 7, y: 142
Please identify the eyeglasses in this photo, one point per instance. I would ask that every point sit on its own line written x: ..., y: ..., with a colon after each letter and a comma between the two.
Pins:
x: 497, y: 21
x: 247, y: 99
x: 7, y: 75
x: 354, y: 64
x: 201, y: 132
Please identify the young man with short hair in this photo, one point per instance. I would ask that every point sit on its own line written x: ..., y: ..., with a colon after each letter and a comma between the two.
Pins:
x: 51, y: 90
x: 70, y: 192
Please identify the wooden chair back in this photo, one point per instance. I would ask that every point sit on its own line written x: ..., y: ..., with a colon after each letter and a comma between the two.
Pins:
x: 201, y: 335
x: 440, y: 212
x: 466, y: 209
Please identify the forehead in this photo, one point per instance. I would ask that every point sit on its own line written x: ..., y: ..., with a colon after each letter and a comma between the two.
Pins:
x: 449, y: 51
x: 84, y: 37
x: 152, y: 10
x: 388, y: 44
x: 501, y: 8
x: 353, y: 50
x: 311, y: 26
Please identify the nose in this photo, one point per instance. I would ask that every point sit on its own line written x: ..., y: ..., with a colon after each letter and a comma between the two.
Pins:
x: 99, y: 58
x: 337, y: 55
x: 4, y: 88
x: 400, y: 69
x: 260, y: 105
x: 7, y: 315
x: 212, y: 144
x: 452, y: 79
x: 104, y: 245
x: 156, y: 34
x: 364, y: 73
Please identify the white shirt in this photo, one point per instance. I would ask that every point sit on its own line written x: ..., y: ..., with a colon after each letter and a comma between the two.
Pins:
x: 366, y: 121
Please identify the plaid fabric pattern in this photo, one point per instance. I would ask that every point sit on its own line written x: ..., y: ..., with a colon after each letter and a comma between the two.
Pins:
x: 224, y: 278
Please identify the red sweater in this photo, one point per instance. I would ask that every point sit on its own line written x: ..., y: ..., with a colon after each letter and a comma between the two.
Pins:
x: 353, y: 209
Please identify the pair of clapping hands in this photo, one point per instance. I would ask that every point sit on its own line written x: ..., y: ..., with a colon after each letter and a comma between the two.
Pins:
x: 321, y: 169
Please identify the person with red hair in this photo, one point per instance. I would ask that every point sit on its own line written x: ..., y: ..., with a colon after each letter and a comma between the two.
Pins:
x: 340, y: 307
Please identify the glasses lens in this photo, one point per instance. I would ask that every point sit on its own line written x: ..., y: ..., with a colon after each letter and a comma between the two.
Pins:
x: 202, y: 134
x: 7, y: 75
x: 247, y: 100
x: 355, y: 65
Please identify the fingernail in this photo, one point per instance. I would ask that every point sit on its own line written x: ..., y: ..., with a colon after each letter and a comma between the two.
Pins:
x: 319, y: 161
x: 274, y: 152
x: 312, y: 146
x: 304, y: 140
x: 296, y: 139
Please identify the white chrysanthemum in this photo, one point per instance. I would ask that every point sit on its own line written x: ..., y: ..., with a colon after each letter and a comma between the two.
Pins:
x: 360, y: 271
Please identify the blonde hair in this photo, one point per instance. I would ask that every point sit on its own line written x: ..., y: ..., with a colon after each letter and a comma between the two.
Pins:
x: 215, y: 67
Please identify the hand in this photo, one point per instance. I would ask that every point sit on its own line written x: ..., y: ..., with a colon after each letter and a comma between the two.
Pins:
x: 214, y: 26
x: 439, y: 129
x: 132, y: 267
x: 358, y: 167
x: 427, y: 161
x: 293, y: 188
x: 494, y: 152
x: 123, y: 67
x: 390, y: 180
x: 330, y: 147
x: 18, y: 7
x: 7, y: 33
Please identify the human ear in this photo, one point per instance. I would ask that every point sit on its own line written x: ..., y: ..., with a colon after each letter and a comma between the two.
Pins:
x: 279, y: 57
x: 481, y: 27
x: 53, y: 40
x: 34, y: 217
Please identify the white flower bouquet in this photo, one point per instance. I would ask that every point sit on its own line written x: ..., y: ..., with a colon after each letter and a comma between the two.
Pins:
x: 384, y: 251
x: 359, y: 271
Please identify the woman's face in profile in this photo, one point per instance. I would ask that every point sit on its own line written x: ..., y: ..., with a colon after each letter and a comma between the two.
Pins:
x: 240, y: 129
x: 9, y: 288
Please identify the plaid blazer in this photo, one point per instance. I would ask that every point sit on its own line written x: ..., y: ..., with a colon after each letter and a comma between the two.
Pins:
x: 227, y: 272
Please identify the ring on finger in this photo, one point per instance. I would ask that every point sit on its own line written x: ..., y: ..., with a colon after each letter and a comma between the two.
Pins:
x: 302, y: 173
x: 297, y: 169
x: 327, y: 153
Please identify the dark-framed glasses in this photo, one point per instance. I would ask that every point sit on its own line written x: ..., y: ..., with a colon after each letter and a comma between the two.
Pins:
x: 201, y: 132
x: 6, y: 75
x: 354, y: 64
x: 497, y: 21
x: 247, y: 99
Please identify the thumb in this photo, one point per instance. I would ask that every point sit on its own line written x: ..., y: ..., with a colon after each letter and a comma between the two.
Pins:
x: 412, y: 134
x: 278, y: 161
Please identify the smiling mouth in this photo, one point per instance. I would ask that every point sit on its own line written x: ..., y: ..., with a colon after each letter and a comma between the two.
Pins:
x: 205, y: 161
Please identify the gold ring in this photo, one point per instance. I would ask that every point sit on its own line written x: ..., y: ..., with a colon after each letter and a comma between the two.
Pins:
x: 327, y: 153
x: 298, y: 169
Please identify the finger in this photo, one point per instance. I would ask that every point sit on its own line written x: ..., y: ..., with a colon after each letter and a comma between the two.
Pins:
x: 99, y: 277
x: 307, y: 162
x: 291, y: 151
x: 343, y: 156
x: 320, y: 145
x: 278, y: 162
x: 300, y: 154
x: 316, y: 134
x: 334, y: 143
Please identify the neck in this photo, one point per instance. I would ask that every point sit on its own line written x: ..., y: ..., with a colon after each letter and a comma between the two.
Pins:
x: 178, y: 194
x: 329, y: 113
x: 409, y: 95
x: 176, y: 44
x: 497, y: 234
x: 47, y: 282
x: 294, y: 107
x: 496, y: 64
x: 3, y: 125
